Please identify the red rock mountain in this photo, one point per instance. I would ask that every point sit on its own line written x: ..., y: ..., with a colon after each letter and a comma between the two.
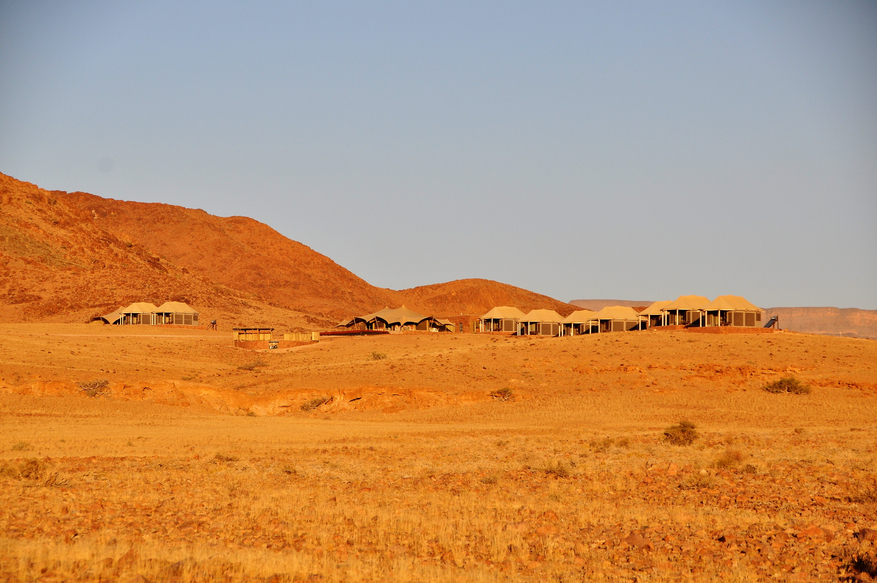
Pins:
x: 63, y: 255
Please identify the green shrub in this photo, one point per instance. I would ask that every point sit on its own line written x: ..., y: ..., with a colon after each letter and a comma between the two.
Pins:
x: 787, y: 385
x: 683, y: 433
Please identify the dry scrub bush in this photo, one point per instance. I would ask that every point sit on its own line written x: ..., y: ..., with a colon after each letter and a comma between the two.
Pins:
x: 504, y: 394
x: 557, y: 468
x: 220, y: 458
x: 859, y: 567
x: 864, y: 494
x: 315, y: 403
x: 730, y: 459
x: 20, y: 446
x: 378, y: 356
x: 32, y: 470
x: 94, y: 388
x: 253, y: 365
x: 683, y: 433
x: 787, y: 385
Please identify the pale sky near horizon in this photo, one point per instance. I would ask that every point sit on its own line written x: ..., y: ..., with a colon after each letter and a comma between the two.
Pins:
x: 627, y: 150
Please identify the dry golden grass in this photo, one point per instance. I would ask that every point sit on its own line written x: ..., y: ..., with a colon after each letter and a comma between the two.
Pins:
x: 414, y: 471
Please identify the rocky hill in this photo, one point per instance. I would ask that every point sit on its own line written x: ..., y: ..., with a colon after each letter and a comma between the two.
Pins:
x: 66, y: 255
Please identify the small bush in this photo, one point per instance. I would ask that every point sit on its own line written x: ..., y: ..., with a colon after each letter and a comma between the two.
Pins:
x: 683, y: 433
x: 32, y: 470
x: 504, y: 394
x: 20, y: 446
x: 730, y: 459
x: 253, y: 365
x: 859, y: 564
x: 220, y: 458
x: 557, y: 468
x: 315, y: 403
x: 864, y: 494
x: 489, y: 480
x: 787, y: 385
x: 378, y: 356
x: 94, y: 388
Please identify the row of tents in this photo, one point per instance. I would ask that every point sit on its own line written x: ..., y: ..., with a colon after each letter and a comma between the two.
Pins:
x: 695, y: 311
x: 146, y: 313
x: 397, y: 319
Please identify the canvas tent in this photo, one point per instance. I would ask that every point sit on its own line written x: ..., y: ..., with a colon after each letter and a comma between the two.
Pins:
x: 579, y: 322
x: 617, y: 319
x: 654, y: 315
x: 395, y: 318
x: 685, y: 311
x: 113, y: 317
x: 176, y: 313
x: 138, y: 313
x: 500, y: 319
x: 732, y: 311
x: 542, y: 323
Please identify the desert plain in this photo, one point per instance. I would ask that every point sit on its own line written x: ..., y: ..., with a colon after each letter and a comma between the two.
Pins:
x: 166, y: 454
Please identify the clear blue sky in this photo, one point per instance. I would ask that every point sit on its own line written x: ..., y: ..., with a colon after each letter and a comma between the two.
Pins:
x: 629, y: 150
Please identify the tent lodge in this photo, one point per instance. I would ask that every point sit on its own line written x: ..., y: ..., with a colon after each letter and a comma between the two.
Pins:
x: 733, y: 311
x: 541, y: 323
x: 500, y: 319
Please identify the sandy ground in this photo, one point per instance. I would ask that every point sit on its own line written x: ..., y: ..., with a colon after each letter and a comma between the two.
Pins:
x: 433, y: 457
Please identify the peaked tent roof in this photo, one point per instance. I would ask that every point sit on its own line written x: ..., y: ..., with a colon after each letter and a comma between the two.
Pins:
x: 139, y: 308
x: 617, y: 313
x: 580, y: 317
x: 113, y: 317
x: 175, y: 307
x: 732, y: 303
x: 401, y: 316
x: 542, y: 316
x: 687, y: 303
x: 655, y: 309
x: 502, y: 312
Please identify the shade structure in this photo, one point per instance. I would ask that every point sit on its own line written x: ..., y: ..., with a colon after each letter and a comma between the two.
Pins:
x: 113, y: 317
x: 654, y: 314
x: 394, y: 318
x: 176, y: 313
x: 734, y: 311
x: 138, y: 313
x: 685, y: 311
x: 579, y: 322
x: 542, y: 322
x: 617, y: 319
x: 501, y: 319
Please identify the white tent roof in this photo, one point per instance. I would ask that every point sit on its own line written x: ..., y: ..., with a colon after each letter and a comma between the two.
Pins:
x: 732, y: 303
x: 542, y: 316
x: 580, y: 317
x: 687, y: 303
x: 140, y: 308
x: 175, y: 308
x: 617, y: 313
x: 503, y: 312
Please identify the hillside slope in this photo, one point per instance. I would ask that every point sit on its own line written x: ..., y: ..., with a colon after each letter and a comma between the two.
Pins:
x: 56, y: 260
x: 63, y: 255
